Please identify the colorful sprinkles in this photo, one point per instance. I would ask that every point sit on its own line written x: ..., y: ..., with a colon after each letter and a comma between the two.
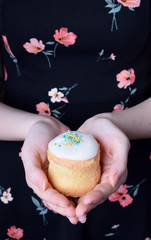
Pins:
x: 70, y: 139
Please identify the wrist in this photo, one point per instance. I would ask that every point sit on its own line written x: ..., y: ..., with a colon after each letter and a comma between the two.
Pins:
x: 15, y: 124
x: 51, y: 122
x: 25, y: 123
x: 106, y: 115
x: 118, y: 119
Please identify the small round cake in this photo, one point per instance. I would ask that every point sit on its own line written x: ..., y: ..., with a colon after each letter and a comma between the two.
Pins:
x: 74, y: 163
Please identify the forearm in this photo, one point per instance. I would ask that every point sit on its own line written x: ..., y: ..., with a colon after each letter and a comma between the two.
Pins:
x: 15, y: 124
x: 135, y: 122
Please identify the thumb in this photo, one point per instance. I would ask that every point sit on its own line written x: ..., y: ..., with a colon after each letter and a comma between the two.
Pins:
x: 118, y: 170
x: 36, y: 178
x: 83, y: 129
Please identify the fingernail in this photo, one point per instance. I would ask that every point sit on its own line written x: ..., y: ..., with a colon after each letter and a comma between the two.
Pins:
x: 82, y: 219
x: 113, y: 183
x: 114, y: 180
x: 73, y: 221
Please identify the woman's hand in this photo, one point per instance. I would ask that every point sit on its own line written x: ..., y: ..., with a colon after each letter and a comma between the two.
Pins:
x: 114, y: 153
x: 34, y: 157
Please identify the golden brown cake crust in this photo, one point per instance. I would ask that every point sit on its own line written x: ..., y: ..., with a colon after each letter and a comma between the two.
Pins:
x: 74, y: 178
x: 70, y: 163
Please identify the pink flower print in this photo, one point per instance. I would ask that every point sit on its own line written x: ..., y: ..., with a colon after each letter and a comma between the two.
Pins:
x: 14, y: 232
x: 125, y: 78
x: 112, y: 57
x: 116, y: 6
x: 147, y: 238
x: 130, y: 3
x: 65, y: 100
x: 121, y: 196
x: 8, y: 190
x: 117, y: 195
x: 43, y: 109
x: 55, y: 95
x: 115, y: 226
x: 119, y: 108
x: 150, y: 157
x: 34, y: 46
x: 7, y: 196
x: 101, y: 53
x: 125, y: 200
x: 7, y: 45
x: 64, y: 37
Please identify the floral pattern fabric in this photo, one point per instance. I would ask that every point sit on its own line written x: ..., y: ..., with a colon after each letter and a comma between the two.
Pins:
x: 62, y: 36
x: 116, y: 6
x: 73, y: 67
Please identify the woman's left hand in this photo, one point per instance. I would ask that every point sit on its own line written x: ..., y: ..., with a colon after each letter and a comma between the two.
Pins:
x: 35, y: 161
x: 114, y: 153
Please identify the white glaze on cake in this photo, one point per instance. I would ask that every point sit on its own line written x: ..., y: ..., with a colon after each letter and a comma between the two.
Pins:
x: 87, y: 147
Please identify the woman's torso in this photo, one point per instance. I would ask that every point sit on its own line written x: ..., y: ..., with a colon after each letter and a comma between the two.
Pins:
x: 85, y: 71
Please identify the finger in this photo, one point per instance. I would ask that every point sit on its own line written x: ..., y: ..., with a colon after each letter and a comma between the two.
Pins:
x: 73, y: 220
x: 93, y: 199
x: 64, y: 212
x: 46, y: 205
x: 99, y: 194
x: 82, y: 209
x: 82, y: 128
x: 38, y: 181
x: 118, y: 170
x: 68, y: 211
x: 118, y: 177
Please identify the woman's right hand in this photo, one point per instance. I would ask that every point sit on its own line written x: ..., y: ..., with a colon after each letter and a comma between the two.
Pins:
x: 34, y: 157
x: 115, y: 147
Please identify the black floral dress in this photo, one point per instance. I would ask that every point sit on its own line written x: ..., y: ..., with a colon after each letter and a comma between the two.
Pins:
x: 72, y: 60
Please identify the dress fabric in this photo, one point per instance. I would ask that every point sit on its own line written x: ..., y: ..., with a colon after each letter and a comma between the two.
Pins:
x: 72, y: 60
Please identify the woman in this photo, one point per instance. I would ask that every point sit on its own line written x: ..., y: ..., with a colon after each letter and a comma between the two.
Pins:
x: 85, y: 66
